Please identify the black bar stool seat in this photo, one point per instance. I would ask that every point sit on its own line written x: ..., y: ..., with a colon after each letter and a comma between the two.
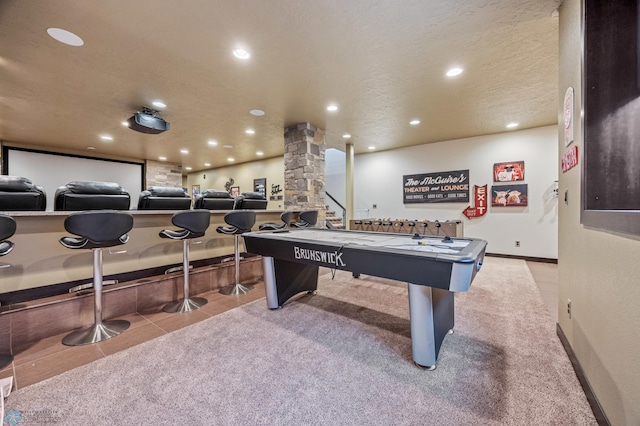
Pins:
x: 94, y: 231
x: 240, y: 221
x: 306, y: 219
x: 285, y: 217
x: 193, y: 224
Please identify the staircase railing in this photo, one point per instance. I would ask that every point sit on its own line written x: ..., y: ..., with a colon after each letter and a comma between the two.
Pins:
x: 344, y: 210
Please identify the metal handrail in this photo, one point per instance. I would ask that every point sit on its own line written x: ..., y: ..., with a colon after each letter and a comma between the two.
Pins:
x: 344, y: 210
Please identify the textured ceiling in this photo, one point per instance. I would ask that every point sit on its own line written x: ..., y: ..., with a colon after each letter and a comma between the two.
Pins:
x: 382, y: 62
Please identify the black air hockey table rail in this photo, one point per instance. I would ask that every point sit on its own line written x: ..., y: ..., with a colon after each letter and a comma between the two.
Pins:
x: 433, y: 267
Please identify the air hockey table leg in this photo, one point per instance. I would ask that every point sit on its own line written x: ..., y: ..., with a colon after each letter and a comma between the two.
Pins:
x: 431, y: 316
x: 269, y: 276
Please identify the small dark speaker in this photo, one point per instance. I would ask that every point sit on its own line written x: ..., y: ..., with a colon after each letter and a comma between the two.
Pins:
x: 146, y: 123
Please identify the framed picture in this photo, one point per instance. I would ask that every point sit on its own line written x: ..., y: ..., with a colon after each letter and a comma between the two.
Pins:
x: 611, y: 87
x: 260, y: 186
x: 508, y: 172
x: 515, y: 195
x: 195, y: 190
x: 235, y: 191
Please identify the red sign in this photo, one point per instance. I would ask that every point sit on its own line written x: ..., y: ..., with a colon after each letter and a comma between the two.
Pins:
x: 570, y: 159
x: 480, y: 196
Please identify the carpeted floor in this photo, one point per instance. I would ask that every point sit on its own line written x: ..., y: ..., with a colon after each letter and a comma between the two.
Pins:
x: 340, y: 357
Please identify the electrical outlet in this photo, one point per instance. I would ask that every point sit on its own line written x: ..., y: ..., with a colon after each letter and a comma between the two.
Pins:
x: 517, y: 243
x: 569, y: 307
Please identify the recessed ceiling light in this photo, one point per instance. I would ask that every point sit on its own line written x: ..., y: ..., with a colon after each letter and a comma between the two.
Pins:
x: 372, y: 147
x: 184, y: 151
x: 212, y: 143
x: 230, y: 159
x: 414, y: 122
x: 259, y: 153
x: 187, y: 168
x: 159, y: 104
x: 91, y: 148
x: 332, y: 108
x: 250, y: 131
x: 512, y: 125
x: 241, y: 54
x: 228, y: 146
x: 454, y: 71
x: 346, y: 136
x: 207, y: 164
x: 162, y: 158
x: 106, y: 138
x: 64, y: 36
x: 257, y: 112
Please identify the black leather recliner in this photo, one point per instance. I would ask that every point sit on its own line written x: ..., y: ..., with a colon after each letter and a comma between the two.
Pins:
x: 82, y: 195
x: 251, y: 201
x: 20, y: 194
x: 164, y: 198
x: 214, y: 199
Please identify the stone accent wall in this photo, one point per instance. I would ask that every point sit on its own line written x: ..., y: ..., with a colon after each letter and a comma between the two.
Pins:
x: 304, y: 175
x: 163, y: 174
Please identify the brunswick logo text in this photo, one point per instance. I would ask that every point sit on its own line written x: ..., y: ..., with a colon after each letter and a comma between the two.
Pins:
x: 333, y: 258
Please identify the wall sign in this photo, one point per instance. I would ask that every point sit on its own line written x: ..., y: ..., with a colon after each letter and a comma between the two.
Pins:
x: 509, y: 171
x: 568, y: 116
x: 480, y: 196
x: 442, y: 187
x: 569, y: 159
x: 510, y: 195
x: 260, y: 186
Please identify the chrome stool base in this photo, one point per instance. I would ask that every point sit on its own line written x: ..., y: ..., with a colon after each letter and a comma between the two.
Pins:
x: 96, y: 333
x: 185, y: 305
x: 236, y: 289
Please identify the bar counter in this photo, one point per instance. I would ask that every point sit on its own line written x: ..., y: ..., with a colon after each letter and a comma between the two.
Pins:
x: 39, y: 259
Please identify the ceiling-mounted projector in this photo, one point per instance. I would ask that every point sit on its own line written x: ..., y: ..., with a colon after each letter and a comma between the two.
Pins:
x: 147, y: 121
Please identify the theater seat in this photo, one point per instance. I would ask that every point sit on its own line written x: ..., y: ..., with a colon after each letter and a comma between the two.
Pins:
x: 214, y: 199
x: 164, y: 198
x: 19, y: 194
x: 251, y: 201
x: 83, y: 195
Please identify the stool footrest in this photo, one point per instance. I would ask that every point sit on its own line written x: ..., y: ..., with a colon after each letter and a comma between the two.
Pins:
x: 96, y: 333
x: 185, y: 305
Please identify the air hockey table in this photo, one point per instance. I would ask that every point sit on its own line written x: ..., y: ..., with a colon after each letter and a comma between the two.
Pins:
x: 433, y: 267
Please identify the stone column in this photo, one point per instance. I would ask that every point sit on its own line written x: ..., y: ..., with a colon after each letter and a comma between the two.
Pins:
x: 163, y: 174
x: 304, y: 176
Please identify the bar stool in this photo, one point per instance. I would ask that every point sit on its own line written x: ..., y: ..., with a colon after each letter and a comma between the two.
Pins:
x: 97, y: 230
x: 240, y: 221
x: 285, y: 217
x: 306, y: 219
x: 7, y: 229
x: 194, y: 223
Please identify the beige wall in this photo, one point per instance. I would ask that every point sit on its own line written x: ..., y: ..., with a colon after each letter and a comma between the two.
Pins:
x: 243, y: 176
x: 599, y: 271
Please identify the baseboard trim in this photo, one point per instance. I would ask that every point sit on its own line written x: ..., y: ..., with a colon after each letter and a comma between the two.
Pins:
x: 527, y: 258
x: 598, y: 413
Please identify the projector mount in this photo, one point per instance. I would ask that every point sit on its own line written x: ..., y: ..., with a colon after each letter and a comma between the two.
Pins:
x: 149, y: 111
